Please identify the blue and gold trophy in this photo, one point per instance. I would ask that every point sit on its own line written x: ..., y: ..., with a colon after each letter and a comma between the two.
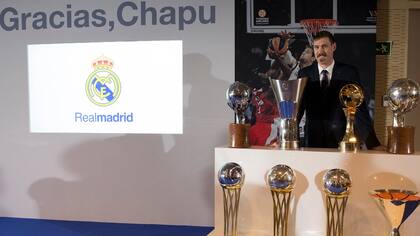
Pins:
x: 231, y: 178
x: 337, y: 184
x: 281, y: 180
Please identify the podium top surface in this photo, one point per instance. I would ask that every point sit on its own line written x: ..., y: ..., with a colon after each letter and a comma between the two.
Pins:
x: 319, y: 151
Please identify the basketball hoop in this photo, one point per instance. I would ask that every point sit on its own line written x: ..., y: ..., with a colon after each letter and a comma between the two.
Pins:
x: 313, y: 26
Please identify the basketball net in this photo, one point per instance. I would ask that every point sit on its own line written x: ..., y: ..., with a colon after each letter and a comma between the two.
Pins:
x: 313, y: 26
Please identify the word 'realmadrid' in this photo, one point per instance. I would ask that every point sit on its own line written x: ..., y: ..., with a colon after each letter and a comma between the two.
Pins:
x: 96, y: 118
x: 127, y: 14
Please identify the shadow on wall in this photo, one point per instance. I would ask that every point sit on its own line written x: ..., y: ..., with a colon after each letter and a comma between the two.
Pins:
x: 247, y: 216
x: 301, y: 186
x: 2, y: 211
x: 151, y: 179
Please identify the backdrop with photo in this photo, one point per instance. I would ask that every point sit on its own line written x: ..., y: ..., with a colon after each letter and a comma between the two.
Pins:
x: 260, y: 24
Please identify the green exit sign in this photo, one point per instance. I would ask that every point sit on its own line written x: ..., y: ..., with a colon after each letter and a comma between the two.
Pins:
x: 383, y: 48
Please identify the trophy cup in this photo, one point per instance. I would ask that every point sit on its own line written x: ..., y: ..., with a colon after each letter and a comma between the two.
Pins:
x: 238, y: 96
x: 396, y: 205
x: 402, y: 97
x: 351, y: 96
x: 337, y: 185
x: 281, y: 180
x: 288, y: 95
x: 231, y: 177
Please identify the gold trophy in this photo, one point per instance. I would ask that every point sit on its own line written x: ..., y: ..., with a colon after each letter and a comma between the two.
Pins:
x: 231, y: 178
x: 396, y: 205
x: 238, y: 98
x: 281, y: 180
x: 351, y: 96
x: 337, y: 185
x: 402, y: 96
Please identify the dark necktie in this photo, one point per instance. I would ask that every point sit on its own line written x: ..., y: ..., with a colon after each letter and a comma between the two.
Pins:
x: 324, y: 79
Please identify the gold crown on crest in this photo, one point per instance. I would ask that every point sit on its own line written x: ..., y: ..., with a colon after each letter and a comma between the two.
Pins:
x: 103, y: 62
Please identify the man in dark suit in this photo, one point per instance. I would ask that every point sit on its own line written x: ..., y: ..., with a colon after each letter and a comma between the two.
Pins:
x: 325, y: 120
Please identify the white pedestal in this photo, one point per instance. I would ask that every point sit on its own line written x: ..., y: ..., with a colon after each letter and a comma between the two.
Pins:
x: 369, y: 170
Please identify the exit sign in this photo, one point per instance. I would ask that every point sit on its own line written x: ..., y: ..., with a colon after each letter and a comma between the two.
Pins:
x: 383, y: 48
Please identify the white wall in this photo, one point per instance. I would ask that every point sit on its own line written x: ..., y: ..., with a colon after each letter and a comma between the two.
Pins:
x: 152, y: 179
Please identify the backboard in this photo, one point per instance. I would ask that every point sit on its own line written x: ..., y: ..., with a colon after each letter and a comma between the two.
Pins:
x: 274, y: 16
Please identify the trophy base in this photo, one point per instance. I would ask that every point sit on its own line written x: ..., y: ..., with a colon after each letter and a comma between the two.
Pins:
x: 400, y: 139
x: 288, y: 145
x: 238, y: 135
x: 348, y: 146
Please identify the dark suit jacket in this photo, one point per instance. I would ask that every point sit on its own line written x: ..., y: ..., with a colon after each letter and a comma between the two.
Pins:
x: 325, y: 120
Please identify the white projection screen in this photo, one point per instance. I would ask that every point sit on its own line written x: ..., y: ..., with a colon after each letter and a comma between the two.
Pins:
x: 106, y: 87
x: 174, y: 61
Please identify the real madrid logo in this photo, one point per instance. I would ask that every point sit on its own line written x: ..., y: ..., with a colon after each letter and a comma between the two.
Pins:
x: 103, y: 86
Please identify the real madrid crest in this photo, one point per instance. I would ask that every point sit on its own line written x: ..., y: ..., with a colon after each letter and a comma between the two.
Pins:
x: 103, y: 86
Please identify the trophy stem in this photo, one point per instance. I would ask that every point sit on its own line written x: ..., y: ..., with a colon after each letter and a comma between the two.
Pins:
x: 398, y: 119
x: 395, y: 232
x: 281, y: 202
x: 336, y: 206
x: 350, y: 114
x: 240, y: 118
x: 349, y: 142
x: 231, y: 197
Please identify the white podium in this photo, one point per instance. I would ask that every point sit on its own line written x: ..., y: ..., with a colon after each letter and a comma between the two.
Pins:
x: 368, y: 169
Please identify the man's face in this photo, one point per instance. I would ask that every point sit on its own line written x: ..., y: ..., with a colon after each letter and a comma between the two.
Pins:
x: 324, y: 51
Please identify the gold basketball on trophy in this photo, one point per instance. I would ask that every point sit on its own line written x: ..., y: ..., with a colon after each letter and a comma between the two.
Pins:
x: 351, y: 95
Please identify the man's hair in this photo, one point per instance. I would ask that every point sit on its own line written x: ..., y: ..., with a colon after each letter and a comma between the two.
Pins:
x: 325, y: 34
